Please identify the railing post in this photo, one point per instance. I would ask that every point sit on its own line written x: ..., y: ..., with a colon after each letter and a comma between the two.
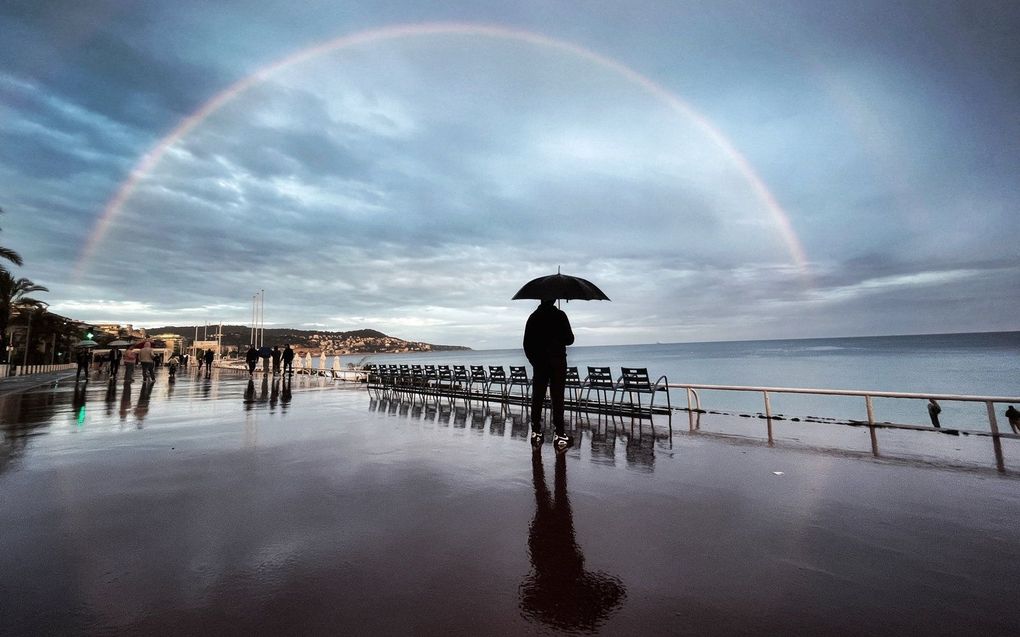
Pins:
x: 871, y: 425
x: 996, y: 442
x: 768, y: 416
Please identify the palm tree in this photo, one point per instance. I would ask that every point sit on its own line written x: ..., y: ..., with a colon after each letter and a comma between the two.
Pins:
x: 7, y: 253
x: 14, y: 296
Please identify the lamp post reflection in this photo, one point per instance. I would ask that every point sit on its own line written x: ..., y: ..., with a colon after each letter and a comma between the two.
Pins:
x: 558, y: 591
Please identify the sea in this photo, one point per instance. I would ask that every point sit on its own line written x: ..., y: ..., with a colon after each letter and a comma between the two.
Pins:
x: 983, y: 364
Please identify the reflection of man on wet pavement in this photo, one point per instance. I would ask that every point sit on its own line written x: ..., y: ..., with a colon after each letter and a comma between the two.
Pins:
x: 558, y: 591
x: 546, y: 337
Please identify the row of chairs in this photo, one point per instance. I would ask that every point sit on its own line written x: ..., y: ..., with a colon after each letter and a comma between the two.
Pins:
x: 494, y: 383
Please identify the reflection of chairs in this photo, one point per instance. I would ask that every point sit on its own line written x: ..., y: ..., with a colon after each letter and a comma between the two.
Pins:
x: 497, y: 376
x: 519, y: 378
x: 599, y: 380
x: 635, y: 380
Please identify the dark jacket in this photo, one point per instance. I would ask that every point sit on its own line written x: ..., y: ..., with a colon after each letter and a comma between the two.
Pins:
x: 251, y: 356
x: 547, y: 333
x: 288, y: 355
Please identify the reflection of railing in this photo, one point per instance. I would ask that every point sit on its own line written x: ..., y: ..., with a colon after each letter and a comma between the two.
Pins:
x: 22, y: 370
x: 694, y: 404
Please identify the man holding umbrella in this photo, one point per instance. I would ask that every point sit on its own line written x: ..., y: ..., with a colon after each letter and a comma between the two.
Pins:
x: 84, y: 360
x: 546, y: 337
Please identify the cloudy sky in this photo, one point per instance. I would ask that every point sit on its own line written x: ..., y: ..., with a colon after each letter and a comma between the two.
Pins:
x: 722, y: 170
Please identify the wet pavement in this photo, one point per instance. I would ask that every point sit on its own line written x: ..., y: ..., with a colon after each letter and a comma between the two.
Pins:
x: 219, y: 506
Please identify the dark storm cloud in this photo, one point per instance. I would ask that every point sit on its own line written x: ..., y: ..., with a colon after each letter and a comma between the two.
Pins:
x: 412, y: 185
x: 105, y: 57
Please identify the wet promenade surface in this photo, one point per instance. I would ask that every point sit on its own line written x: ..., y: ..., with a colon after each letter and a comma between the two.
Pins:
x: 212, y: 506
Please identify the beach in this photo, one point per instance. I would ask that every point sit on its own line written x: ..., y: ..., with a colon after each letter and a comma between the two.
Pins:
x: 217, y: 507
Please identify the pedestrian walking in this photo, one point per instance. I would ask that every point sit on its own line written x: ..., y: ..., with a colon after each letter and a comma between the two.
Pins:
x: 130, y: 360
x: 84, y: 360
x: 933, y: 412
x: 115, y: 357
x: 288, y: 359
x: 1013, y: 416
x: 147, y: 358
x: 252, y: 358
x: 208, y: 361
x: 276, y: 354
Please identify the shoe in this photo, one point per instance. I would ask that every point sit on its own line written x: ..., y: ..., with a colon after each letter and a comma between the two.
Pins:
x: 536, y: 438
x: 562, y: 442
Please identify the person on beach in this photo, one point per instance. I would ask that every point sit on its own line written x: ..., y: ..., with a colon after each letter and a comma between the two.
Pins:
x: 276, y: 359
x: 115, y: 357
x: 546, y: 337
x: 288, y: 359
x: 933, y: 412
x: 208, y: 361
x: 84, y: 360
x: 147, y: 359
x: 252, y: 358
x: 1013, y: 416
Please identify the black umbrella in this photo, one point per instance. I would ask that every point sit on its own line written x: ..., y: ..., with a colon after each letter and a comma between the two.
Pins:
x: 265, y: 352
x: 561, y: 286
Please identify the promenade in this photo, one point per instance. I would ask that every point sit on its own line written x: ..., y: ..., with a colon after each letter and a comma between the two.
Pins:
x: 228, y: 507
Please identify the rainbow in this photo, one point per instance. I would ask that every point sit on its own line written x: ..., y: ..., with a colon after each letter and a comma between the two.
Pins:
x: 151, y: 159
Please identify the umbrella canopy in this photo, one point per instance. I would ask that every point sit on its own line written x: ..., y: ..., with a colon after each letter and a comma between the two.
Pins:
x: 561, y: 286
x: 265, y: 352
x: 118, y: 343
x: 86, y: 343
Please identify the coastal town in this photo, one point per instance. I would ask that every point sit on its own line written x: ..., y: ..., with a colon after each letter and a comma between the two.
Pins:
x: 43, y: 338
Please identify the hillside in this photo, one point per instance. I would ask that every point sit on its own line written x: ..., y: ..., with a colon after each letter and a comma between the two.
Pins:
x: 353, y: 342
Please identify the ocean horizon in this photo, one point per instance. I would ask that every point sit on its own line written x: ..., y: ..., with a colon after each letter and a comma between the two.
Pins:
x: 972, y: 363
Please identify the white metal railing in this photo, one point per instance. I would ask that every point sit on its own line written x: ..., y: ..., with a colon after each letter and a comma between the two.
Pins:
x: 23, y: 370
x: 694, y: 403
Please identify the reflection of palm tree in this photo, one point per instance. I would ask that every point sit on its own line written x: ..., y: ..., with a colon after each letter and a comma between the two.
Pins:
x: 558, y: 591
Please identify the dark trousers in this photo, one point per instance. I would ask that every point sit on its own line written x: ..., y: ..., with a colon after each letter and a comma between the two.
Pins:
x: 552, y: 374
x: 82, y: 367
x: 251, y: 366
x: 288, y: 366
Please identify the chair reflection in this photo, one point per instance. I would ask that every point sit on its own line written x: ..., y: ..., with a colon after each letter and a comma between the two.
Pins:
x: 558, y: 591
